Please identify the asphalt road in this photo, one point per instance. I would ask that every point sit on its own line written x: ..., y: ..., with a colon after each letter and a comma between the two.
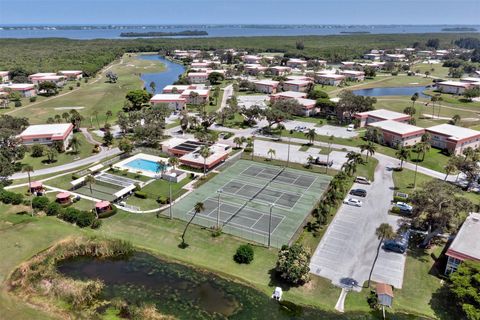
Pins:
x: 347, y: 250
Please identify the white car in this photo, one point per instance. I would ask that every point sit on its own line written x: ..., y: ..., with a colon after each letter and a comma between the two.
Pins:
x: 351, y: 127
x: 353, y: 202
x: 403, y: 206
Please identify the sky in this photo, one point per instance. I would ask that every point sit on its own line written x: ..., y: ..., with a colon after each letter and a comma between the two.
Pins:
x: 240, y: 12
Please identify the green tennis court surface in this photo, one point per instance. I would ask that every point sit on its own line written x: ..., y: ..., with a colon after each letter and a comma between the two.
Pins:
x: 241, y: 196
x: 100, y: 190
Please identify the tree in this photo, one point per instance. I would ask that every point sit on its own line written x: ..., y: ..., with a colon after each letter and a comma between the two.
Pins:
x: 90, y: 180
x: 112, y: 77
x: 244, y: 254
x: 48, y: 88
x: 293, y: 264
x: 465, y: 286
x: 107, y: 138
x: 125, y: 145
x: 402, y: 154
x: 173, y: 162
x: 138, y: 98
x: 108, y: 115
x: 383, y: 232
x: 239, y: 141
x: 410, y: 111
x: 251, y: 114
x: 75, y: 143
x: 450, y: 167
x: 349, y: 104
x: 470, y: 168
x: 205, y: 153
x: 199, y: 207
x: 414, y: 98
x: 37, y: 150
x: 455, y: 120
x: 52, y: 154
x: 471, y: 93
x: 369, y: 147
x: 153, y: 86
x: 353, y: 160
x: 215, y: 78
x: 370, y: 72
x: 272, y: 153
x: 373, y: 134
x: 28, y: 169
x: 311, y: 134
x: 438, y: 207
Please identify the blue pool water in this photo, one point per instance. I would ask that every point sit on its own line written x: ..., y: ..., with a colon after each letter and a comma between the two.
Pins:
x: 142, y: 164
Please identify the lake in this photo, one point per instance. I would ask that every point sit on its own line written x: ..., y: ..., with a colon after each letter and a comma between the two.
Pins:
x: 89, y: 32
x: 392, y: 91
x: 164, y: 78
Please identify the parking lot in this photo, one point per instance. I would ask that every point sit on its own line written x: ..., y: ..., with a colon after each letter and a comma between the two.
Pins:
x: 347, y: 250
x: 249, y: 101
x: 325, y: 130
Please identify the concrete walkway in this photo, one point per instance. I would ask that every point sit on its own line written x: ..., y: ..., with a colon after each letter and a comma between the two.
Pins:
x: 227, y: 93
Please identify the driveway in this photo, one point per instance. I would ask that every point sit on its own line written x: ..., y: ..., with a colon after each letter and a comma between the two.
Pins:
x: 348, y: 248
x: 281, y: 153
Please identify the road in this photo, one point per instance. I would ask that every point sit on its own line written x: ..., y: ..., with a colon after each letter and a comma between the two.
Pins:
x: 347, y: 250
x: 227, y: 93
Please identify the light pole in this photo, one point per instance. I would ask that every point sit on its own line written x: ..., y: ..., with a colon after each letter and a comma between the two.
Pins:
x: 288, y: 153
x: 218, y: 208
x: 270, y: 224
x: 170, y: 195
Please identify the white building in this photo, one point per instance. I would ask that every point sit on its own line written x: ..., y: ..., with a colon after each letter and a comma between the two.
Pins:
x: 47, y: 134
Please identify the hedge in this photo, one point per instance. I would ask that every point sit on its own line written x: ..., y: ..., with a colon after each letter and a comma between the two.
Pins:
x: 140, y: 194
x: 40, y: 203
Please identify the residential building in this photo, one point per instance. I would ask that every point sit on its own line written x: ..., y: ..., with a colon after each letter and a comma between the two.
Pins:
x: 297, y: 77
x: 297, y: 85
x: 398, y: 134
x: 353, y: 75
x: 394, y: 57
x: 296, y: 63
x: 4, y: 77
x: 196, y: 96
x: 255, y: 69
x: 174, y: 101
x: 266, y: 86
x: 452, y: 138
x: 26, y: 90
x: 466, y: 245
x: 330, y: 79
x: 173, y: 88
x: 347, y: 64
x: 47, y: 134
x: 218, y: 154
x: 372, y: 56
x: 197, y: 77
x: 280, y: 70
x: 58, y: 80
x: 251, y: 59
x: 287, y: 95
x: 72, y: 74
x: 367, y: 117
x: 454, y: 87
x: 308, y: 105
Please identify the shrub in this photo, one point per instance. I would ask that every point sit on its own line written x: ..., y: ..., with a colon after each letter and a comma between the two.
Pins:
x: 244, y: 254
x: 140, y: 194
x: 399, y: 199
x: 96, y: 224
x: 18, y: 104
x: 17, y: 198
x: 69, y: 215
x: 70, y: 88
x: 162, y: 200
x: 108, y: 213
x: 395, y: 210
x: 6, y: 196
x: 33, y: 99
x: 53, y: 209
x: 85, y: 218
x: 40, y: 203
x: 78, y: 84
x: 227, y: 135
x: 293, y: 264
x: 37, y: 150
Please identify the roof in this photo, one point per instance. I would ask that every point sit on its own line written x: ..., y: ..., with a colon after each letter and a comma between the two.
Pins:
x: 455, y: 84
x: 298, y: 82
x: 71, y: 71
x: 280, y: 68
x: 331, y: 76
x: 216, y: 153
x: 454, y: 132
x: 167, y: 97
x: 290, y: 94
x: 42, y: 74
x: 267, y: 82
x: 383, y: 288
x: 396, y: 127
x: 382, y: 114
x: 63, y: 195
x: 20, y: 86
x: 178, y: 87
x: 306, y: 103
x: 353, y: 72
x: 201, y: 92
x: 466, y: 245
x: 102, y: 204
x: 3, y: 73
x: 53, y: 130
x: 292, y: 77
x: 470, y: 79
x: 297, y: 60
x: 36, y: 184
x: 197, y: 74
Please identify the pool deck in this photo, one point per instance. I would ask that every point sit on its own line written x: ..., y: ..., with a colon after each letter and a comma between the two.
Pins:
x: 122, y: 165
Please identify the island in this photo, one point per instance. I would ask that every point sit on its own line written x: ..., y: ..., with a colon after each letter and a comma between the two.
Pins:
x: 164, y: 34
x: 354, y: 32
x: 459, y: 29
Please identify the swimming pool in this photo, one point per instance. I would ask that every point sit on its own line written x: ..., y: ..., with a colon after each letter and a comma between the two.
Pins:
x: 146, y: 165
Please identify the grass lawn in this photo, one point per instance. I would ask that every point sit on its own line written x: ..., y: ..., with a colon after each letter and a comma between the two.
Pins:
x: 158, y: 188
x: 95, y: 96
x: 455, y: 101
x: 84, y: 151
x: 436, y: 70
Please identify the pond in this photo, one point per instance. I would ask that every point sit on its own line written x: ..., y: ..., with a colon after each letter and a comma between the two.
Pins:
x: 392, y: 91
x: 181, y: 291
x: 164, y: 78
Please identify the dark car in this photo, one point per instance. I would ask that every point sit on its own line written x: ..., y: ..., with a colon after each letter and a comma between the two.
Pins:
x: 323, y: 163
x: 358, y: 192
x: 399, y: 244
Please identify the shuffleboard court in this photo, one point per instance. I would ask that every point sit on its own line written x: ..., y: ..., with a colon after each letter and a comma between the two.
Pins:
x: 250, y: 198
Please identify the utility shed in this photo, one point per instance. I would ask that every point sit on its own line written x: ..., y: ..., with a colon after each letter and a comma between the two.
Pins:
x: 385, y: 294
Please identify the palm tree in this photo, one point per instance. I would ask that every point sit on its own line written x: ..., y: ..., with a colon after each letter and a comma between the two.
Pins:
x: 238, y: 141
x: 199, y: 207
x: 330, y: 141
x: 383, y: 232
x: 28, y: 169
x: 161, y: 166
x: 311, y: 134
x: 173, y: 161
x: 402, y: 154
x: 310, y: 160
x: 153, y: 86
x: 468, y: 152
x: 439, y: 99
x: 414, y: 98
x: 450, y: 167
x: 272, y: 153
x: 456, y: 119
x: 90, y: 180
x: 433, y: 99
x: 52, y: 154
x: 419, y: 148
x: 369, y: 147
x: 58, y: 118
x: 95, y: 113
x: 108, y: 114
x: 75, y: 143
x: 205, y: 153
x: 251, y: 144
x: 66, y: 116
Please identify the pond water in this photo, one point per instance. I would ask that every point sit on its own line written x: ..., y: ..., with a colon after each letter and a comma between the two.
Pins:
x: 161, y: 79
x: 392, y: 91
x: 185, y: 293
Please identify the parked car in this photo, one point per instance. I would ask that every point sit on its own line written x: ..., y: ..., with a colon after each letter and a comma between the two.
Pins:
x: 358, y: 192
x: 323, y: 163
x: 351, y: 127
x: 353, y: 202
x: 362, y: 180
x: 399, y: 244
x: 403, y: 206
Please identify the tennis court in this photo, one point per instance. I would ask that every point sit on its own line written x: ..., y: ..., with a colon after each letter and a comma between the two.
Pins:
x: 100, y: 190
x: 242, y: 196
x: 116, y: 180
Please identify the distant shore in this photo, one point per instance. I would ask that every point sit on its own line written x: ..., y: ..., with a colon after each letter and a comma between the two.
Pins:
x: 187, y: 33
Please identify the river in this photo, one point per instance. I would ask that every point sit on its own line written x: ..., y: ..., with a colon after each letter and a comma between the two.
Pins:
x: 164, y: 78
x: 218, y: 30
